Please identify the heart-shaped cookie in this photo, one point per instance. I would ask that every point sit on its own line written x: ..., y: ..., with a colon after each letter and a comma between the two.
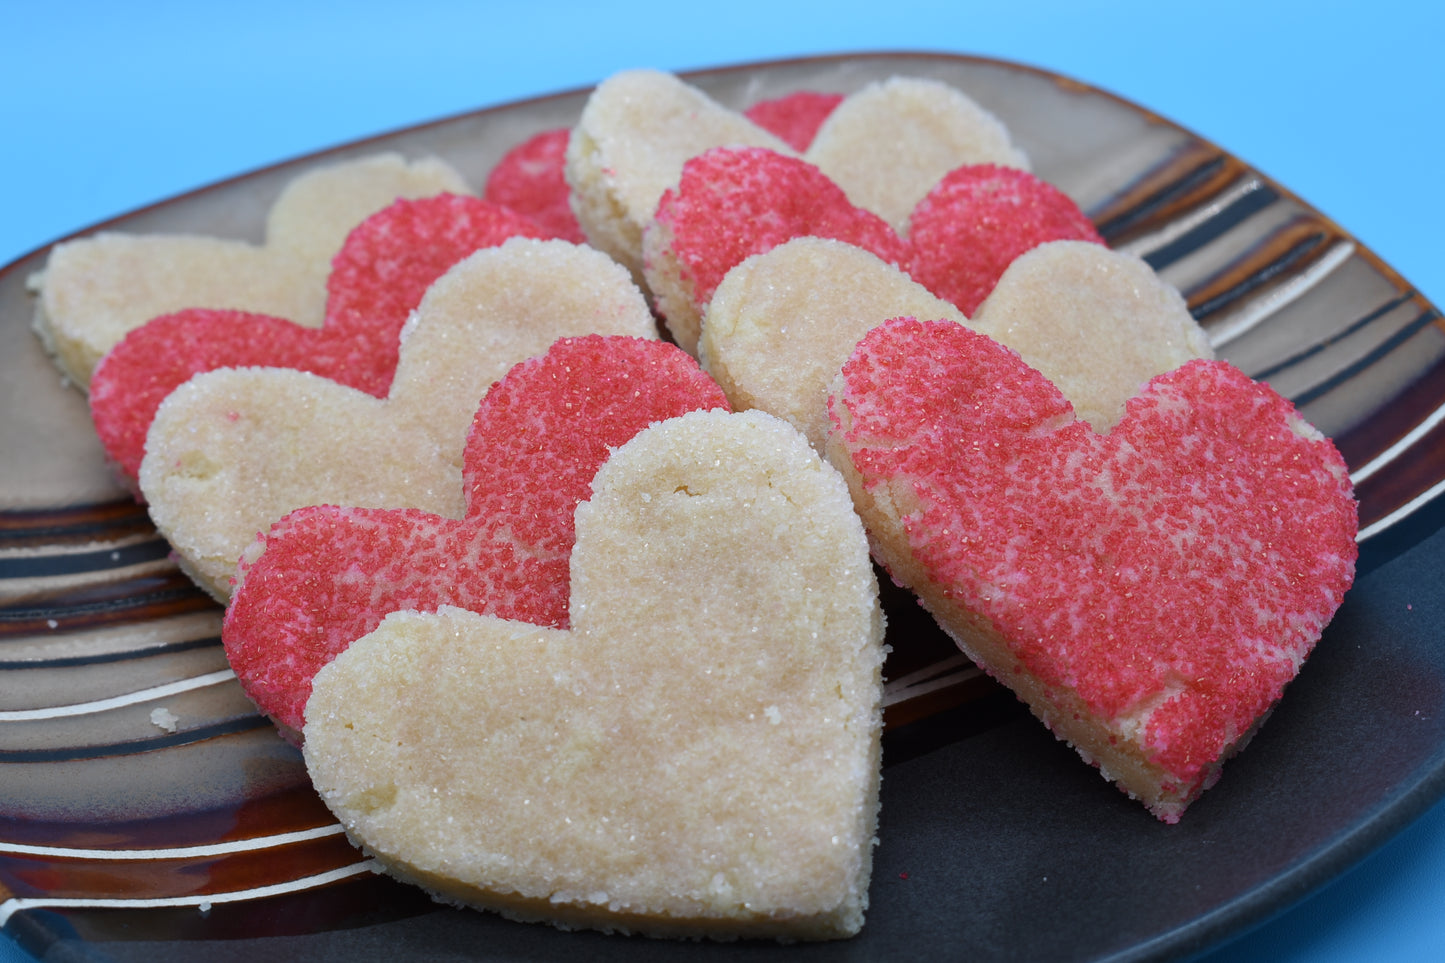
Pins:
x: 233, y: 450
x: 324, y: 576
x: 734, y: 202
x: 885, y: 145
x: 531, y: 180
x: 377, y: 279
x: 1096, y: 322
x: 698, y: 755
x: 794, y: 117
x: 96, y: 289
x: 1149, y: 592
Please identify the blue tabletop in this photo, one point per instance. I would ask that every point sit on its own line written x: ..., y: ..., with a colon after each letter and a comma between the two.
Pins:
x: 106, y: 107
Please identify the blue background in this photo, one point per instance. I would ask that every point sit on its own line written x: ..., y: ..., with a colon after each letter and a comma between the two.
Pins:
x: 107, y: 107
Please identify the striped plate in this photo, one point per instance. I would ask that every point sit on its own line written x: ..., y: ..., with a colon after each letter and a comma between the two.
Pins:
x: 146, y: 810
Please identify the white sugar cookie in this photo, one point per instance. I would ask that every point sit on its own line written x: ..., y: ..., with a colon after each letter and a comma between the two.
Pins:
x: 697, y: 756
x: 232, y: 450
x: 640, y: 126
x: 95, y: 289
x: 1098, y: 322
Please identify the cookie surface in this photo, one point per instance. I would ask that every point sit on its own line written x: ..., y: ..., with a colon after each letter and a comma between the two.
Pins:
x: 697, y: 756
x: 324, y: 576
x: 1149, y: 592
x: 1096, y: 322
x: 636, y: 131
x: 531, y: 180
x: 640, y: 126
x: 977, y: 220
x: 96, y: 289
x: 233, y: 450
x: 730, y: 203
x: 377, y: 279
x: 794, y: 117
x: 889, y: 144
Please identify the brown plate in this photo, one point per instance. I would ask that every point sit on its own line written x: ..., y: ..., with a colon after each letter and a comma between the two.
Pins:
x: 202, y: 838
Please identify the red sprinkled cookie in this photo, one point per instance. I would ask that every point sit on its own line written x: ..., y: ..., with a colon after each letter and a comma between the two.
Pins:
x: 531, y: 179
x: 885, y: 145
x: 232, y: 451
x: 378, y: 278
x: 96, y: 289
x: 1097, y: 323
x: 1148, y: 592
x: 734, y: 202
x: 972, y: 226
x: 795, y: 117
x: 325, y: 576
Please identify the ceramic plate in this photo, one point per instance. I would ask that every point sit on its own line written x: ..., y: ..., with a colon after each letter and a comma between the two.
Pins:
x: 148, y: 813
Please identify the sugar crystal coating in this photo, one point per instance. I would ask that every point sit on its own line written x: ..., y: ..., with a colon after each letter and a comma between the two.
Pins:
x: 1149, y: 592
x: 96, y: 289
x: 377, y: 279
x: 886, y: 145
x: 977, y: 220
x: 1097, y: 323
x: 731, y: 203
x: 531, y: 179
x: 782, y: 323
x: 233, y: 450
x: 326, y: 575
x: 795, y: 117
x: 697, y: 756
x: 636, y: 131
x: 734, y: 202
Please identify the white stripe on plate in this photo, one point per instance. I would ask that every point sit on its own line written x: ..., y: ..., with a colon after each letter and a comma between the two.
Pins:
x: 175, y: 852
x: 1238, y: 324
x: 1395, y: 450
x: 202, y: 900
x: 1176, y: 229
x: 939, y: 675
x: 120, y: 701
x: 1402, y: 512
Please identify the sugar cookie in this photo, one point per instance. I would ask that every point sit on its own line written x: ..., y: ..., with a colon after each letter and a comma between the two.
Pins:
x: 324, y: 576
x: 697, y: 756
x: 95, y: 289
x: 376, y: 281
x: 640, y: 126
x: 1098, y: 323
x: 1149, y: 592
x: 233, y: 450
x: 531, y: 180
x: 733, y: 202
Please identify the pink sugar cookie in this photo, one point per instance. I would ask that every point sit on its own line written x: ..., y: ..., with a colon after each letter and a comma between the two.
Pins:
x: 377, y: 279
x: 325, y: 576
x: 977, y: 220
x: 531, y: 179
x: 795, y: 117
x: 885, y: 145
x: 735, y: 202
x: 1149, y: 592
